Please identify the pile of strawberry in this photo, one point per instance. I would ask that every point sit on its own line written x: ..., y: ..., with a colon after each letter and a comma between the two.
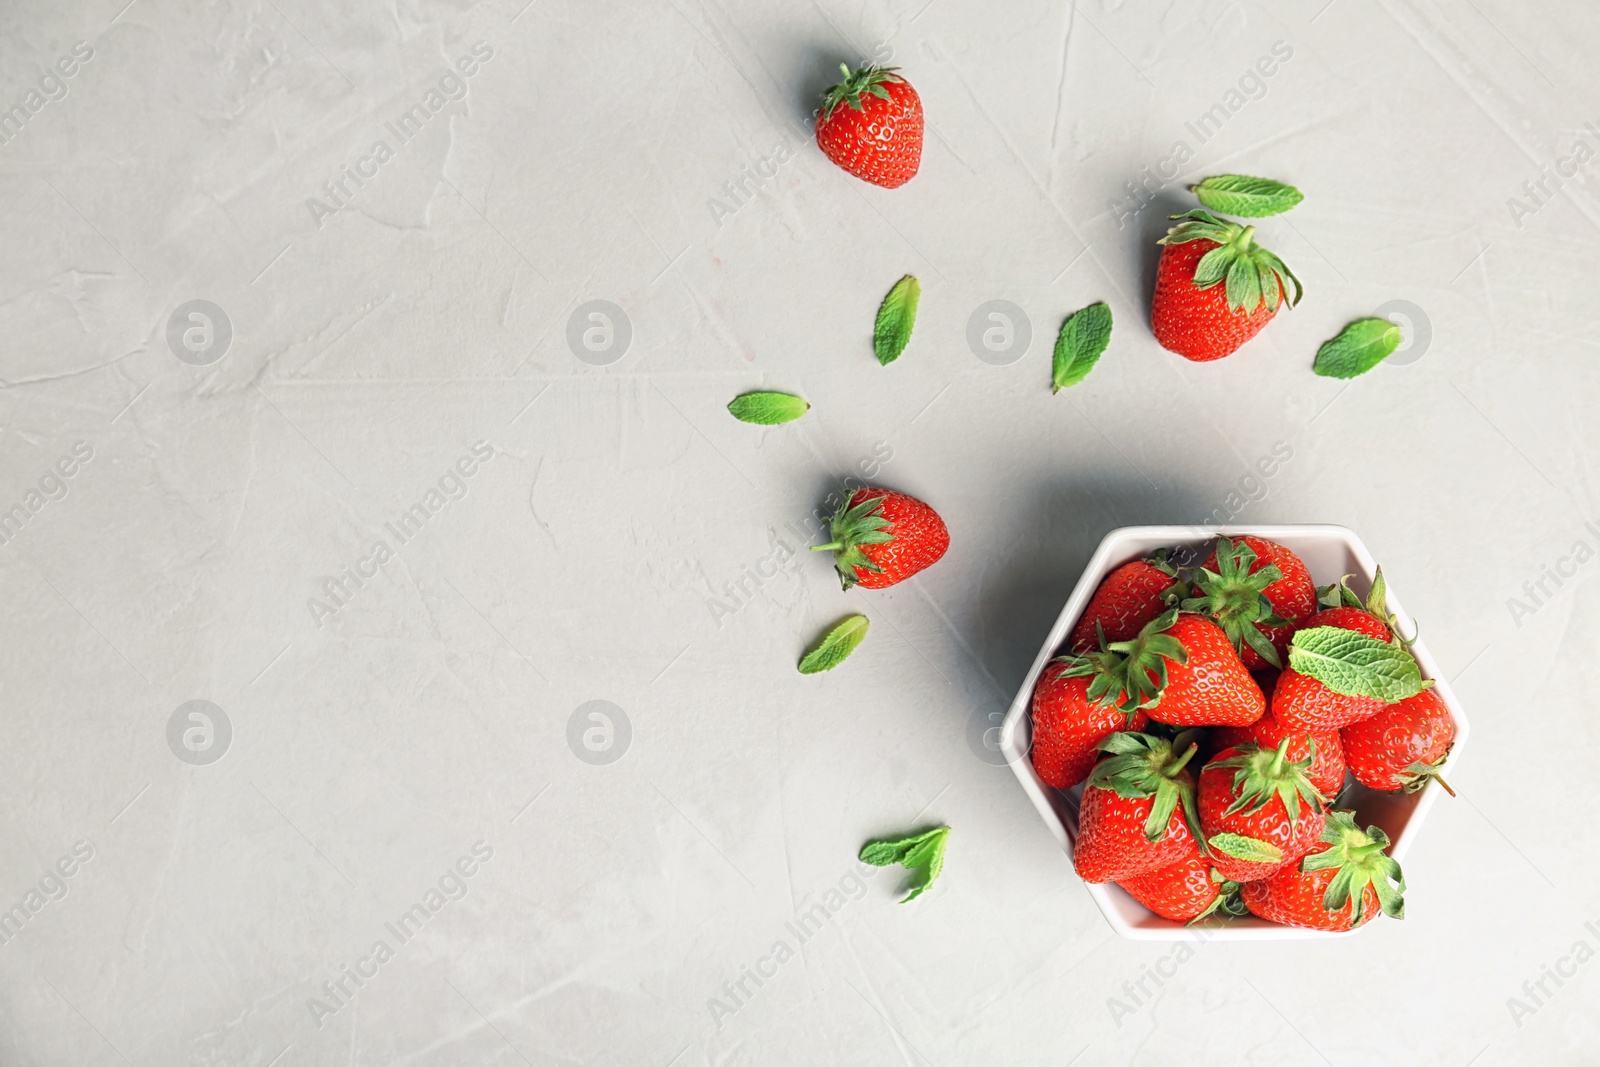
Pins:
x: 1211, y: 714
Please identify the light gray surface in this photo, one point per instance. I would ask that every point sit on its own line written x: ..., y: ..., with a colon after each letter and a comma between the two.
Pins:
x: 585, y: 559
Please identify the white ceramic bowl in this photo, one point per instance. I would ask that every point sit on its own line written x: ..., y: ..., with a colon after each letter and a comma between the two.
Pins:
x: 1329, y: 552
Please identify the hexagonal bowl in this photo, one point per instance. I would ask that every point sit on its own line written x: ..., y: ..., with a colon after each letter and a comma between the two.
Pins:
x: 1330, y: 552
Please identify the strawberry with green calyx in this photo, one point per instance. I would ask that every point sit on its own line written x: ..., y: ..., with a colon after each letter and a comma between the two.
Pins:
x: 1340, y: 597
x: 1183, y: 669
x: 1324, y: 750
x: 1076, y: 705
x: 871, y: 125
x: 1185, y: 892
x: 1138, y: 809
x: 1344, y: 666
x: 1255, y: 590
x: 1343, y: 881
x: 1215, y: 288
x: 1126, y: 601
x: 1403, y: 746
x: 880, y: 537
x: 1258, y: 809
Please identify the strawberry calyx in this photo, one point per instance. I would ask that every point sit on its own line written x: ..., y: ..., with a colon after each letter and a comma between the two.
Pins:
x: 1419, y: 774
x: 852, y: 528
x: 1142, y: 671
x: 1174, y: 592
x: 1104, y: 669
x: 1252, y: 276
x: 1144, y: 765
x: 1340, y: 595
x: 1236, y: 599
x: 1360, y: 860
x: 1260, y: 774
x: 869, y: 80
x: 1228, y: 900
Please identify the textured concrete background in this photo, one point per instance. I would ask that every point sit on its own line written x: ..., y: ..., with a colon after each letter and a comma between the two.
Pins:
x: 599, y: 529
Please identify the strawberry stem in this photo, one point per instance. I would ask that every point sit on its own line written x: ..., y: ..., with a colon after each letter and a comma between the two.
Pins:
x: 829, y: 547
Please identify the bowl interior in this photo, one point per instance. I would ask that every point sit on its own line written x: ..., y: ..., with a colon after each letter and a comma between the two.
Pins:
x: 1329, y: 552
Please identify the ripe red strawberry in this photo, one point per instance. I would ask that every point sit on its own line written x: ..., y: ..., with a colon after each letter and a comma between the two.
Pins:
x: 1186, y: 891
x: 1304, y: 703
x: 882, y: 537
x: 1137, y: 809
x: 1126, y: 600
x: 1071, y: 717
x: 1343, y: 881
x: 1215, y: 288
x: 1256, y: 590
x: 1258, y: 810
x: 1183, y: 668
x: 1403, y: 746
x: 871, y: 125
x: 1328, y: 760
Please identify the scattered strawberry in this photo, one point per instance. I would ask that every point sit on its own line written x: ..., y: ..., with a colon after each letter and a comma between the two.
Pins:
x: 1186, y: 672
x: 881, y: 537
x: 1343, y: 881
x: 1126, y: 600
x: 1215, y: 288
x: 1327, y: 765
x: 871, y: 125
x: 1258, y: 810
x: 1186, y: 891
x: 1256, y: 590
x: 1403, y: 746
x: 1073, y: 711
x: 1137, y: 810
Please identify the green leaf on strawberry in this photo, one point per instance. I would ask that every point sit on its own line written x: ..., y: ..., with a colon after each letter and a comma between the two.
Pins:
x: 896, y: 315
x: 1079, y: 345
x: 1353, y: 664
x: 1245, y: 848
x: 1359, y: 347
x: 836, y: 646
x: 767, y: 409
x: 922, y: 854
x: 1239, y: 194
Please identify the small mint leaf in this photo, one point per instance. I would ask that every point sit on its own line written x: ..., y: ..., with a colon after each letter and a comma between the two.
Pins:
x: 1353, y: 664
x: 1251, y: 198
x: 1359, y: 347
x: 836, y: 646
x: 1246, y: 848
x: 767, y: 409
x: 922, y: 854
x: 1079, y: 345
x: 896, y: 315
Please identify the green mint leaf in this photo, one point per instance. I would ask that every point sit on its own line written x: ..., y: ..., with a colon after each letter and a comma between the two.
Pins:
x: 892, y: 850
x: 922, y: 854
x: 1246, y: 848
x: 1079, y: 345
x: 1251, y: 198
x: 896, y: 315
x: 767, y: 409
x: 1359, y: 347
x: 1355, y: 665
x: 836, y: 646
